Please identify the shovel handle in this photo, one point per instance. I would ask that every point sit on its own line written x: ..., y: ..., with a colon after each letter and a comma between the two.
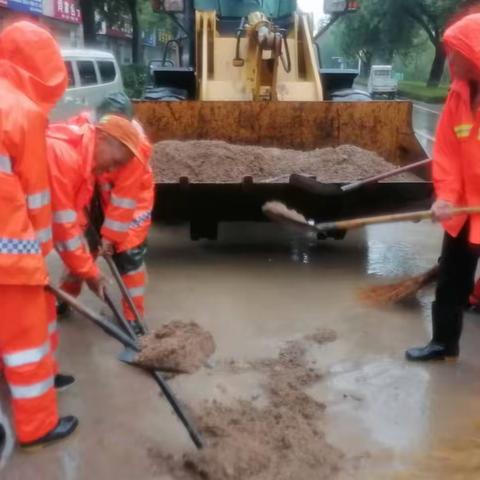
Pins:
x: 366, y: 181
x: 105, y: 325
x: 391, y: 218
x: 123, y: 322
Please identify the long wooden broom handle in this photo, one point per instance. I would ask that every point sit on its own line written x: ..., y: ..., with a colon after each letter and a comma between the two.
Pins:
x: 382, y: 176
x: 398, y: 217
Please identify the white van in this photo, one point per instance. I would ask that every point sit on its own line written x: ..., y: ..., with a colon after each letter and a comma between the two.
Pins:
x: 92, y: 76
x: 381, y: 81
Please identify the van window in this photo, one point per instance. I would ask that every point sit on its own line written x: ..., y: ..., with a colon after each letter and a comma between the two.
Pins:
x: 107, y: 71
x: 71, y: 78
x: 86, y: 70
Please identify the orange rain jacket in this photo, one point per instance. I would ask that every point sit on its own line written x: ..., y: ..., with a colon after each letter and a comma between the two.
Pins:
x: 456, y: 158
x: 127, y: 199
x: 70, y: 149
x: 30, y: 86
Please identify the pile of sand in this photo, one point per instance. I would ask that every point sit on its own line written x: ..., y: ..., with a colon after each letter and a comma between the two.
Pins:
x: 279, y: 441
x: 209, y: 161
x: 178, y: 347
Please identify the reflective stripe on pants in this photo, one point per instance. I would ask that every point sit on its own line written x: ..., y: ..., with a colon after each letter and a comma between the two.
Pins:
x: 136, y: 283
x: 28, y: 362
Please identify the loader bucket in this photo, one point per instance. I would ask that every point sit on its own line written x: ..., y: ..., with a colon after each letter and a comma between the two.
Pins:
x: 382, y: 127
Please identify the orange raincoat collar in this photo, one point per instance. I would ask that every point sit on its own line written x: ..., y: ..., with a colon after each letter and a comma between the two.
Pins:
x: 38, y: 72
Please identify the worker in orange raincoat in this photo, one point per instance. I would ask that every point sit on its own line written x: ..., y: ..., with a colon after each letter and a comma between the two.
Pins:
x: 127, y: 196
x: 456, y: 176
x: 78, y: 151
x: 32, y: 80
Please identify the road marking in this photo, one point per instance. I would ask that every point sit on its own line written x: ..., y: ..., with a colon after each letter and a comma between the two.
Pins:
x: 426, y: 109
x: 425, y: 135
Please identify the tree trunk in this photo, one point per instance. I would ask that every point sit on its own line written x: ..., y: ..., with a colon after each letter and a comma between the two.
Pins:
x: 366, y: 58
x: 136, y: 36
x: 438, y: 66
x: 87, y: 8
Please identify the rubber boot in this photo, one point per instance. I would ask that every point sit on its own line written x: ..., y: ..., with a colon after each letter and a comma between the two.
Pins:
x: 447, y: 328
x: 65, y: 427
x: 62, y: 381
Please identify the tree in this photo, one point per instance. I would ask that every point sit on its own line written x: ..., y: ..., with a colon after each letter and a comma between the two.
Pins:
x: 372, y: 34
x: 432, y: 17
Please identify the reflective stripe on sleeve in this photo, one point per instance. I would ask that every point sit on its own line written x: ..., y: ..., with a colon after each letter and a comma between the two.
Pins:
x: 5, y: 164
x: 38, y: 200
x: 44, y: 235
x: 116, y: 226
x: 64, y: 216
x: 69, y: 245
x: 123, y: 202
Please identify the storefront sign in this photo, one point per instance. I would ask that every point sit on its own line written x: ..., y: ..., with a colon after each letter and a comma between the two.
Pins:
x: 149, y: 38
x: 67, y: 10
x: 28, y: 6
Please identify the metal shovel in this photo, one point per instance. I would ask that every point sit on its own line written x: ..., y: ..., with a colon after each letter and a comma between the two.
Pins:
x: 132, y: 348
x: 310, y: 185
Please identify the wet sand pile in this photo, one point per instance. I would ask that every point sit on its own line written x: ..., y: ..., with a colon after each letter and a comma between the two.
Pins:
x: 278, y: 441
x: 178, y: 347
x: 211, y: 161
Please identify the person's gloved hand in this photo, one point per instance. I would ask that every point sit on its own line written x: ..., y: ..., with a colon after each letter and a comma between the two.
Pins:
x: 442, y: 210
x: 97, y: 285
x: 107, y: 247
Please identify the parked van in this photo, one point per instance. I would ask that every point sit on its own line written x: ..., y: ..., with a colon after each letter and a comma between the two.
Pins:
x: 92, y: 75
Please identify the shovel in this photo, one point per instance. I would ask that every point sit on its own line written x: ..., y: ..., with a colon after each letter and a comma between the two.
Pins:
x: 132, y: 348
x: 278, y: 212
x: 310, y: 185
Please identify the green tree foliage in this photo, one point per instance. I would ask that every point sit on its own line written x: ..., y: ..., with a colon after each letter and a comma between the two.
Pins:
x: 384, y: 27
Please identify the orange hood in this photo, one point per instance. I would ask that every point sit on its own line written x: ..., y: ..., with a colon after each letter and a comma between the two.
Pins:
x: 30, y: 58
x: 463, y: 36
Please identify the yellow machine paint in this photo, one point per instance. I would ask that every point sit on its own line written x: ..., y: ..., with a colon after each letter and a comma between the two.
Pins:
x: 262, y: 66
x: 263, y: 87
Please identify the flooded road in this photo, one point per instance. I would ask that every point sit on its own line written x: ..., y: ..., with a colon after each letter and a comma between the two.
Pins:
x: 255, y: 289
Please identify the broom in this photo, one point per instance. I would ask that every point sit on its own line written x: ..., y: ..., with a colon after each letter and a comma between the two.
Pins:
x: 395, y: 292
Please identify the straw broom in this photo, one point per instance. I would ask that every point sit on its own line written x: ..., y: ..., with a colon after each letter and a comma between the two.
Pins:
x: 398, y: 291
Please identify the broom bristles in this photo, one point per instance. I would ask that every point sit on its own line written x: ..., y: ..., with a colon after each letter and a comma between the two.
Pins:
x: 397, y: 291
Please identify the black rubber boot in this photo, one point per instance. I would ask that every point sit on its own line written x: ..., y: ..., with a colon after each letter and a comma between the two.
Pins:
x: 62, y: 382
x: 447, y: 328
x: 65, y: 427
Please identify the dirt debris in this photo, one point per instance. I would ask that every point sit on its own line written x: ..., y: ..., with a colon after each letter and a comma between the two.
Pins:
x: 178, y: 347
x: 211, y: 161
x: 281, y: 440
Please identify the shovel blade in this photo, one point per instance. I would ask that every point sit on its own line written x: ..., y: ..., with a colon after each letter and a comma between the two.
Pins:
x: 128, y: 356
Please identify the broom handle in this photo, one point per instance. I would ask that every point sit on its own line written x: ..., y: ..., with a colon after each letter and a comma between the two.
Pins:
x: 398, y: 217
x: 382, y: 176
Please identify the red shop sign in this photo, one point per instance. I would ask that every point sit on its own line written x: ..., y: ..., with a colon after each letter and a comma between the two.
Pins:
x: 67, y: 10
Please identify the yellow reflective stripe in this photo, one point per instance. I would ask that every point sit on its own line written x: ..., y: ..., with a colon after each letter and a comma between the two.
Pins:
x: 462, y: 131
